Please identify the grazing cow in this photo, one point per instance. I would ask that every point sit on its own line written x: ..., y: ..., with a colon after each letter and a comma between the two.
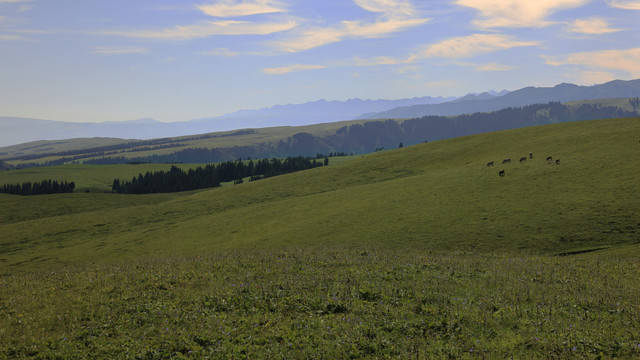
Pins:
x: 506, y: 161
x: 530, y: 155
x: 523, y: 159
x: 490, y: 164
x: 557, y: 161
x: 549, y: 158
x: 501, y: 173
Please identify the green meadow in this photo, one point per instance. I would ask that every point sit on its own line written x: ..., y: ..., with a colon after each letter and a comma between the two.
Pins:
x: 419, y: 252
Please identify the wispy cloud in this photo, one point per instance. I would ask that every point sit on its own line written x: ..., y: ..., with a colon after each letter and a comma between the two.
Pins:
x: 379, y: 60
x: 4, y: 37
x: 591, y: 26
x: 471, y: 46
x: 618, y: 60
x: 223, y: 52
x: 395, y: 16
x: 517, y: 13
x: 291, y: 68
x: 354, y: 62
x: 625, y: 4
x: 595, y: 77
x: 315, y: 37
x: 234, y: 8
x: 208, y: 28
x: 493, y: 66
x: 387, y: 7
x: 109, y: 50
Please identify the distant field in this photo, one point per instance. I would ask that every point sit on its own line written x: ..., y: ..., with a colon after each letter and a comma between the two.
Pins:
x: 212, y: 140
x: 416, y: 252
x: 95, y: 178
x: 99, y: 178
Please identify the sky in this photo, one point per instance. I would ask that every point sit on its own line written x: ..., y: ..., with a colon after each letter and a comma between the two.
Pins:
x: 115, y: 60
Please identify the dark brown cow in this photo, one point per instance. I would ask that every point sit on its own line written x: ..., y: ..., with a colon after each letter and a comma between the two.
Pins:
x: 501, y: 173
x: 530, y: 155
x: 549, y: 158
x: 490, y: 164
x: 557, y: 161
x: 523, y: 159
x: 506, y: 161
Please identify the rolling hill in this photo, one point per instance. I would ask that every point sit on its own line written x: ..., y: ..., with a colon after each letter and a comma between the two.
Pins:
x: 419, y: 252
x: 438, y: 194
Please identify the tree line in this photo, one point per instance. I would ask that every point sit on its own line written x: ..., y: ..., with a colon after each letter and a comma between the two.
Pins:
x: 211, y: 175
x: 39, y: 188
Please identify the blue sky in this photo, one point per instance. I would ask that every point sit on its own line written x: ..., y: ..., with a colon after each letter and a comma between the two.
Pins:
x: 113, y: 60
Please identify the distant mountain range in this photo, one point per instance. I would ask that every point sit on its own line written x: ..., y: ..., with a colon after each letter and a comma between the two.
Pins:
x: 354, y: 136
x: 15, y: 130
x: 21, y: 130
x: 487, y: 102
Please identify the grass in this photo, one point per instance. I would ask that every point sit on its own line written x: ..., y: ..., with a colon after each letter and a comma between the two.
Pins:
x: 92, y: 178
x: 416, y: 252
x: 223, y: 139
x: 337, y: 302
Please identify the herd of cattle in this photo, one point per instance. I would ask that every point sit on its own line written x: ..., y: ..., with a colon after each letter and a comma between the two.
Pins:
x: 522, y: 160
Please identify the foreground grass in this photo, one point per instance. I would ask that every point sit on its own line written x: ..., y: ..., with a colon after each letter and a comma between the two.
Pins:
x: 331, y: 302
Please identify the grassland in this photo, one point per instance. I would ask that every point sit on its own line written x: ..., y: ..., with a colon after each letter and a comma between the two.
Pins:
x: 416, y: 252
x: 224, y: 139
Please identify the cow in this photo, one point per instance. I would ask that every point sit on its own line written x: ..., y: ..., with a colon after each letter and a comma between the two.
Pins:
x: 490, y: 164
x: 506, y: 161
x: 557, y: 161
x: 523, y: 159
x: 530, y: 155
x: 549, y: 158
x: 501, y: 173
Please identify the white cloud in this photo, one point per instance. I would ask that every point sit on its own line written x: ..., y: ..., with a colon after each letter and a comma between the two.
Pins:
x: 315, y: 37
x: 108, y: 50
x: 233, y: 8
x: 387, y: 6
x: 379, y: 28
x: 395, y: 16
x: 517, y: 13
x: 470, y: 46
x: 309, y: 39
x: 380, y: 60
x: 208, y: 28
x: 618, y: 60
x: 592, y: 26
x: 291, y: 68
x: 494, y: 67
x: 627, y: 5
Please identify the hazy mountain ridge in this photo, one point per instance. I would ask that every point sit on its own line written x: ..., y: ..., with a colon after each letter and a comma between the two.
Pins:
x: 21, y: 130
x: 17, y: 130
x: 526, y: 96
x: 356, y: 136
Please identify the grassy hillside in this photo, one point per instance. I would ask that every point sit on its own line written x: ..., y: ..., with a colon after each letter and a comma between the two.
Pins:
x: 439, y: 194
x: 420, y: 252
